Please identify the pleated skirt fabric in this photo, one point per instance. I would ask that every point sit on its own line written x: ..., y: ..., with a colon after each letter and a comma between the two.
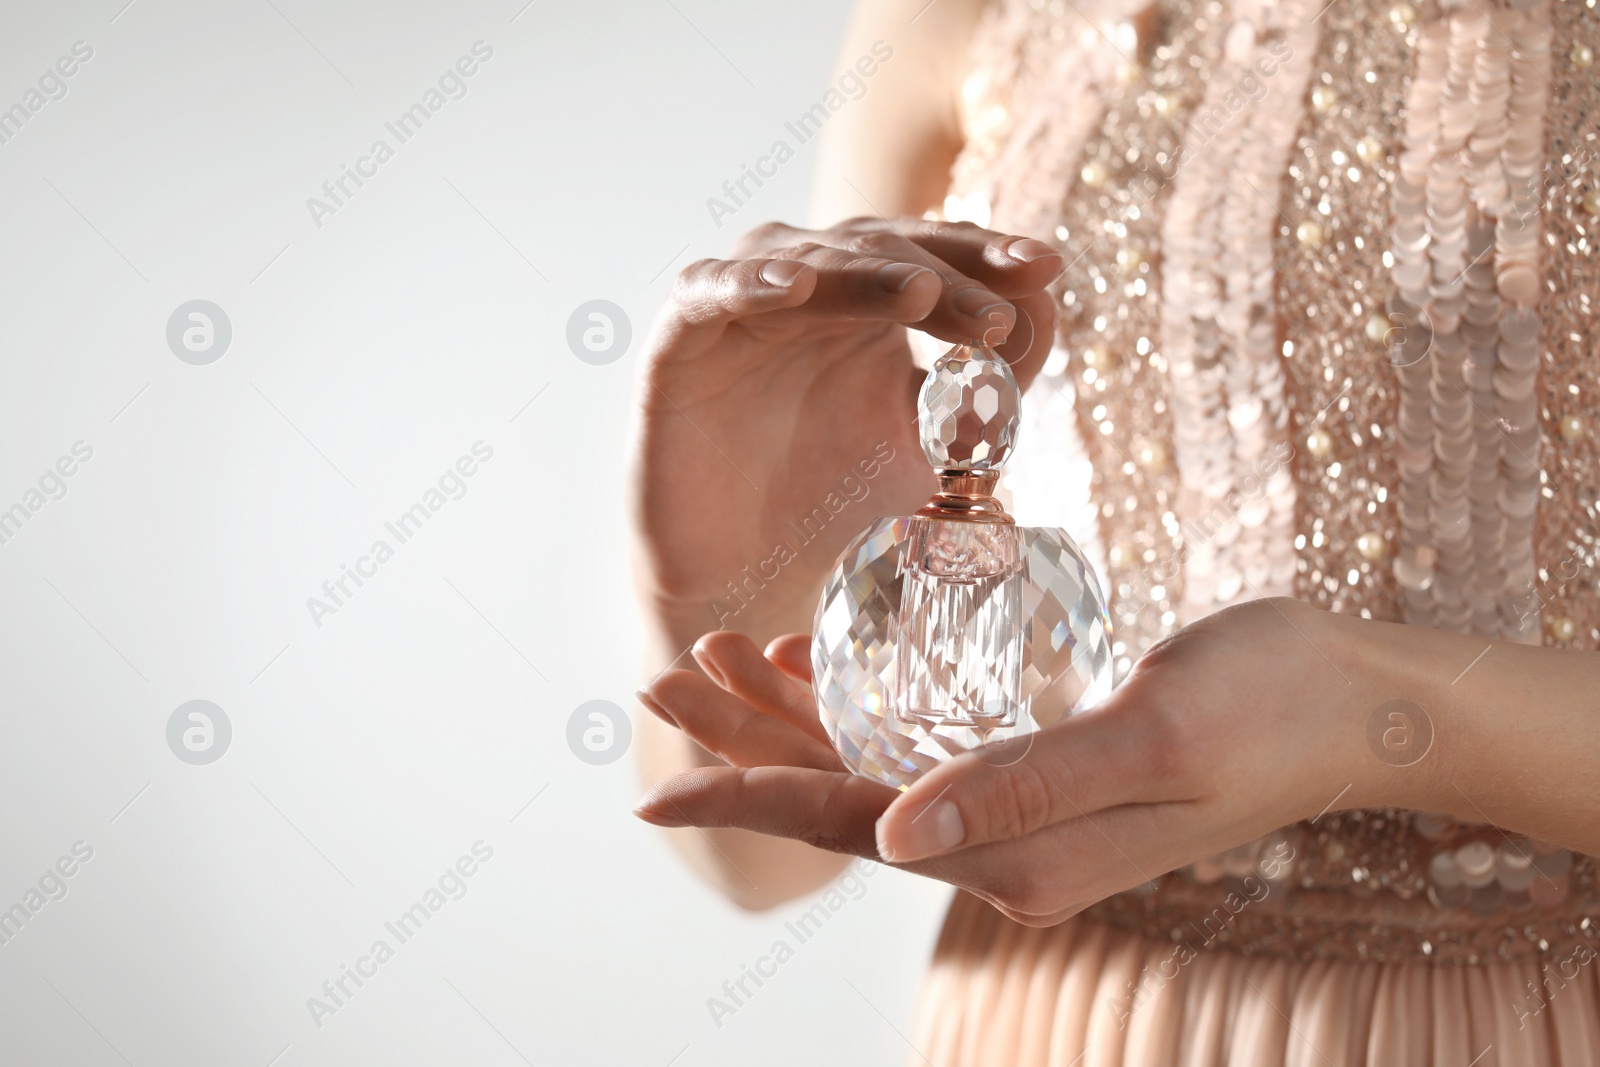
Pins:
x: 1086, y: 994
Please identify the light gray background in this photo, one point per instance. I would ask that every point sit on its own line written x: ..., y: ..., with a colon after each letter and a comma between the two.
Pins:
x: 367, y: 356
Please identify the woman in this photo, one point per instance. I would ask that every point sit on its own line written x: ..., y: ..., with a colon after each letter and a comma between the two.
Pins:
x: 1303, y: 292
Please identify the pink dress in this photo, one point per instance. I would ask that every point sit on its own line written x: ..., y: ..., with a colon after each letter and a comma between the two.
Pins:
x: 1327, y: 333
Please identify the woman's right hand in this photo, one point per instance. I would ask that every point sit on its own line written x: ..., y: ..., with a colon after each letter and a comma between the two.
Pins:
x: 780, y: 384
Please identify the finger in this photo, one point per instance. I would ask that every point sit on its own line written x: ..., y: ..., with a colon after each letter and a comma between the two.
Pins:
x: 1088, y: 763
x: 712, y: 291
x: 1008, y: 264
x: 791, y: 654
x: 729, y: 728
x: 966, y: 310
x: 836, y: 812
x: 806, y: 281
x: 830, y: 810
x: 735, y: 663
x: 857, y: 284
x: 1028, y: 344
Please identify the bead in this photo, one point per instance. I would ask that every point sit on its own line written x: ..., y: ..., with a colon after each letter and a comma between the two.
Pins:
x: 1403, y: 15
x: 1372, y: 546
x: 1591, y: 202
x: 1378, y: 328
x: 1319, y: 443
x: 1582, y: 56
x: 1323, y: 98
x: 1152, y: 456
x: 1369, y: 150
x: 1571, y: 429
x: 1094, y: 174
x: 1562, y: 628
x: 1476, y: 860
x: 1310, y: 233
x: 1123, y: 555
x: 1098, y: 358
x: 1130, y: 258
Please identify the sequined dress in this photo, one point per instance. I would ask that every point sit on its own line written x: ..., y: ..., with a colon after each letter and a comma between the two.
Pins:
x: 1327, y: 333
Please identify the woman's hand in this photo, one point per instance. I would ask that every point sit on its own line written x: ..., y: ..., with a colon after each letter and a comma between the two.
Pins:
x: 780, y: 385
x: 1250, y: 720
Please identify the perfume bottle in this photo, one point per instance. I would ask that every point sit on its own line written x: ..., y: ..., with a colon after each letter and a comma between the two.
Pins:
x: 955, y: 628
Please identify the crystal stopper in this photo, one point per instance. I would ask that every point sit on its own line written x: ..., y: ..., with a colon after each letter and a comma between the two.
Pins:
x: 969, y: 410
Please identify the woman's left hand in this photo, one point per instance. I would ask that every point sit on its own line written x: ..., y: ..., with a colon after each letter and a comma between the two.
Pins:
x: 1245, y: 722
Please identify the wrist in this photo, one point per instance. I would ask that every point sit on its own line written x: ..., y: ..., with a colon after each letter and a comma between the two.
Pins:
x: 1405, y: 713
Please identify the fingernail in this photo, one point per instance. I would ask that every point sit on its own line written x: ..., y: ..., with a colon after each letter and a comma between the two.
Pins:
x: 655, y: 708
x: 658, y: 818
x: 1027, y: 250
x: 934, y: 830
x: 707, y: 664
x: 894, y: 277
x: 780, y: 273
x: 978, y: 303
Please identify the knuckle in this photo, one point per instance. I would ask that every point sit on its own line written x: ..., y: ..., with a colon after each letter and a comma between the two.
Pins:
x: 859, y: 222
x: 876, y: 244
x: 690, y: 286
x: 799, y: 251
x: 1020, y: 801
x: 691, y: 274
x: 822, y: 832
x: 769, y: 234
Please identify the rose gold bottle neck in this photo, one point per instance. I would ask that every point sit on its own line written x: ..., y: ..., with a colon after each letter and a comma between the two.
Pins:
x: 966, y: 496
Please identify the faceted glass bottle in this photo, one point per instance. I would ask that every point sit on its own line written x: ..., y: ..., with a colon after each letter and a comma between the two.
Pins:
x: 954, y: 627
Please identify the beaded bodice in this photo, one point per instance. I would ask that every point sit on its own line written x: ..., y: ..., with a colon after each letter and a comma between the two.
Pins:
x: 1325, y: 333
